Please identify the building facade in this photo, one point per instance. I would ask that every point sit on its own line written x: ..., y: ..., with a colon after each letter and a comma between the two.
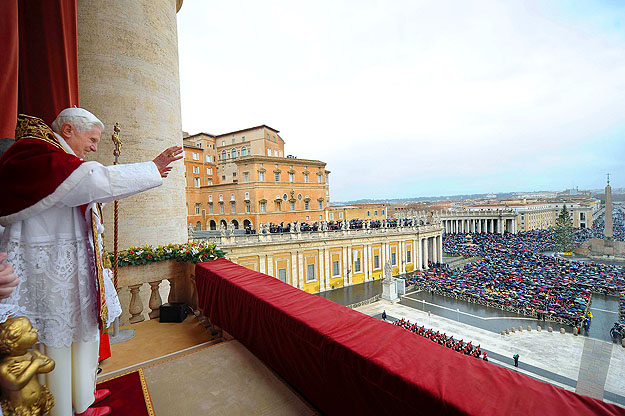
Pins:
x: 243, y: 178
x: 374, y: 212
x: 326, y: 260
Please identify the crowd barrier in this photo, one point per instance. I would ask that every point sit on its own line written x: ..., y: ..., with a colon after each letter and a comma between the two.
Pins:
x: 344, y: 362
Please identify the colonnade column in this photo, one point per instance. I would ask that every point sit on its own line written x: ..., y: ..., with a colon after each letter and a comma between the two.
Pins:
x: 417, y: 253
x: 300, y: 270
x: 440, y: 248
x: 326, y: 266
x: 350, y: 265
x: 269, y: 264
x: 425, y: 253
x: 262, y: 262
x: 294, y: 276
x: 322, y: 286
x: 345, y: 268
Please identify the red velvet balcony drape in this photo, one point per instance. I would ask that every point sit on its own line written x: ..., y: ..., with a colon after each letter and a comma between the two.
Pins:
x: 39, y: 69
x: 347, y: 363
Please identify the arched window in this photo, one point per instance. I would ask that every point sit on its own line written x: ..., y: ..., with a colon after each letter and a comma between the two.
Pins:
x: 198, y: 226
x: 244, y: 151
x: 223, y: 155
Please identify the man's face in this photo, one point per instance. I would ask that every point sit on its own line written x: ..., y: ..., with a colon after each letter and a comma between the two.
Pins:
x: 82, y: 143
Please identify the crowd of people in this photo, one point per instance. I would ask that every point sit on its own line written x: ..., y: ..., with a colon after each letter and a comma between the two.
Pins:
x: 598, y: 228
x: 443, y: 339
x: 512, y: 274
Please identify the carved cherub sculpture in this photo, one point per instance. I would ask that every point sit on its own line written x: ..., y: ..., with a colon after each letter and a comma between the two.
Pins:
x: 21, y: 393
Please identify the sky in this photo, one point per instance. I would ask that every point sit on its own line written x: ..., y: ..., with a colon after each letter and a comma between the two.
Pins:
x: 417, y: 98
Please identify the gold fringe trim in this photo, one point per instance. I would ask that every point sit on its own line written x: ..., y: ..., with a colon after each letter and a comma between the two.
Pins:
x: 146, y: 393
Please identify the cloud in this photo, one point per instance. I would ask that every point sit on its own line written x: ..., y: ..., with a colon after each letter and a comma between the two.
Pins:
x: 415, y: 98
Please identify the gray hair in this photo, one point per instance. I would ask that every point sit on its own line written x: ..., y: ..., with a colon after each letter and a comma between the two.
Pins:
x: 81, y: 122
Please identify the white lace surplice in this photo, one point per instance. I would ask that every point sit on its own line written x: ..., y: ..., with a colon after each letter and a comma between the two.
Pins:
x: 53, y: 255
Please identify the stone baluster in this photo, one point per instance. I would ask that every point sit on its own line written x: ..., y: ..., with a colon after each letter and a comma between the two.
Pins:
x: 136, y: 306
x: 155, y: 300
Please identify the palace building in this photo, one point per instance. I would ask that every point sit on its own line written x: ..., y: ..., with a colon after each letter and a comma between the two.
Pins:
x: 243, y: 178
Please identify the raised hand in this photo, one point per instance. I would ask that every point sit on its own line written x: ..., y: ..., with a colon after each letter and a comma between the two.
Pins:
x: 168, y: 156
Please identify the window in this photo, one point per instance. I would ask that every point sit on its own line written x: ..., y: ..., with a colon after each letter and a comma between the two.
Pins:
x: 277, y: 177
x: 335, y: 268
x: 368, y: 213
x: 275, y: 153
x: 244, y: 151
x: 196, y: 156
x: 299, y: 197
x: 306, y: 178
x: 196, y: 182
x: 221, y: 197
x: 307, y: 217
x: 234, y: 153
x: 209, y: 158
x: 292, y: 206
x: 310, y: 275
x: 320, y: 204
x: 340, y: 215
x: 196, y: 169
x: 331, y: 216
x: 223, y: 155
x: 382, y: 212
x: 319, y: 179
x: 261, y: 176
x: 267, y: 136
x: 268, y: 152
x: 234, y: 207
x: 209, y: 181
x: 210, y: 208
x: 221, y: 208
x: 375, y: 212
x: 209, y: 171
x: 232, y: 197
x: 291, y: 177
x: 197, y: 208
x: 242, y: 138
x: 247, y: 196
x: 246, y: 177
x: 408, y: 256
x: 247, y: 207
x: 376, y: 261
x: 234, y: 140
x: 357, y: 265
x: 263, y: 207
x: 285, y: 197
x: 223, y: 142
x: 210, y: 198
x: 261, y: 165
x: 393, y: 258
x: 306, y: 205
x: 282, y: 275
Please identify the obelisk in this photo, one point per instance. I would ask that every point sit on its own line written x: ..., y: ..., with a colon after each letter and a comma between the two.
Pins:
x: 608, y: 232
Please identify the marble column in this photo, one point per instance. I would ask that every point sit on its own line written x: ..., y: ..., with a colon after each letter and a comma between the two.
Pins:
x: 321, y: 270
x: 128, y: 73
x: 425, y: 254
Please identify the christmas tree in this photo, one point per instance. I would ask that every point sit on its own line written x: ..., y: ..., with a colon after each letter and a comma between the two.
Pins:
x: 564, y: 232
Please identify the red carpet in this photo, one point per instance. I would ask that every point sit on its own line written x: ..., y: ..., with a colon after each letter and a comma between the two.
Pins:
x: 129, y: 395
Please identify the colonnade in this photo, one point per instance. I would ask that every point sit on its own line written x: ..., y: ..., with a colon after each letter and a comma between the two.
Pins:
x: 361, y: 260
x: 479, y: 225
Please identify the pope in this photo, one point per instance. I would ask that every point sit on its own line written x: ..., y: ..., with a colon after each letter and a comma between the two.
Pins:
x: 53, y: 239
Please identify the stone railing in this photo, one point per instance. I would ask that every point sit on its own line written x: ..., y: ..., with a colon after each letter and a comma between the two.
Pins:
x: 252, y: 239
x: 147, y: 285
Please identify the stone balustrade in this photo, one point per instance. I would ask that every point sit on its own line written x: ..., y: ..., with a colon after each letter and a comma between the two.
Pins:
x: 147, y: 285
x: 229, y: 240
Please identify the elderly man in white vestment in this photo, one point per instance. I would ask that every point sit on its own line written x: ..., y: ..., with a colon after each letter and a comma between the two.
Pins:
x: 53, y: 240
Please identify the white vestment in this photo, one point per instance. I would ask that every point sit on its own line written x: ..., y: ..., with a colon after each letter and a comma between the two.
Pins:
x: 50, y: 248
